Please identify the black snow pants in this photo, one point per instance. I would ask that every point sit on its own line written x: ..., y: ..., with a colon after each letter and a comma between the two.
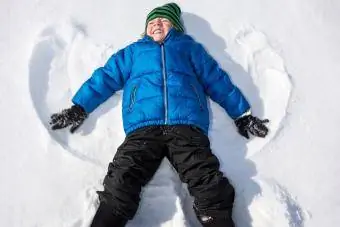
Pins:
x: 188, y: 150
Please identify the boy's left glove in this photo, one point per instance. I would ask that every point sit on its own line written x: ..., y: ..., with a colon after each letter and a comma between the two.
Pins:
x: 253, y: 125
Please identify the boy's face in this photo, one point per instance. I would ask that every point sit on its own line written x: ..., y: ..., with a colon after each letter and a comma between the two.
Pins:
x: 158, y: 28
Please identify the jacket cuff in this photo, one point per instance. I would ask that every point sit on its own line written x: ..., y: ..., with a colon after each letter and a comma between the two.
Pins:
x: 247, y: 113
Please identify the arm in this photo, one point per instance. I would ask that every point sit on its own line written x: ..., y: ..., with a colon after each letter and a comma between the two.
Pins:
x: 217, y: 84
x: 105, y: 81
x: 219, y: 87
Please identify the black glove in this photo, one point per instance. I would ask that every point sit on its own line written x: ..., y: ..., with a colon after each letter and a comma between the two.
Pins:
x: 74, y: 116
x: 253, y: 125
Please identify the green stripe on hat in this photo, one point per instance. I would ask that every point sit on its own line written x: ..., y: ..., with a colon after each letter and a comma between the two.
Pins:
x: 174, y: 7
x: 170, y: 11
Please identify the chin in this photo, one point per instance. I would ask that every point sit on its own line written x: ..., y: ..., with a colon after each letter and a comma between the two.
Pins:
x: 158, y: 39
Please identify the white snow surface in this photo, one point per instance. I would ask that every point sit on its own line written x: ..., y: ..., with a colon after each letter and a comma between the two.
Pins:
x: 283, y: 54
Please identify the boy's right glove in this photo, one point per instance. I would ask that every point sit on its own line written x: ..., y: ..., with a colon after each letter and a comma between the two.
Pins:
x: 253, y: 125
x: 74, y: 116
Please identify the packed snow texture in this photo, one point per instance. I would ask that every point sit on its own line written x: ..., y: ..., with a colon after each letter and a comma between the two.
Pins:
x: 282, y: 54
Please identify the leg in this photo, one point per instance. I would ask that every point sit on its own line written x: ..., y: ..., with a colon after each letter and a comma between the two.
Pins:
x: 191, y: 156
x: 104, y: 217
x: 133, y: 166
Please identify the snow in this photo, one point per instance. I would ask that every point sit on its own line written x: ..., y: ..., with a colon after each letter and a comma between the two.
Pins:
x: 283, y: 54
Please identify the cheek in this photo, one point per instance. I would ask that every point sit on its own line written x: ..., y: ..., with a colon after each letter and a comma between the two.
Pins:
x: 169, y: 26
x: 148, y: 30
x: 166, y: 28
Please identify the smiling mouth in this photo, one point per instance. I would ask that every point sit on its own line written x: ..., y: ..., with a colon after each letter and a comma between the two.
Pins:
x: 157, y: 31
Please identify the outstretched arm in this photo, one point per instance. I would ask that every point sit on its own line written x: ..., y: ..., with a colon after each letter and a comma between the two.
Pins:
x: 105, y: 81
x: 219, y: 87
x: 217, y: 83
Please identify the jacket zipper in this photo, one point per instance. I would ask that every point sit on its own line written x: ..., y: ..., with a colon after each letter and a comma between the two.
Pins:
x: 133, y: 97
x: 198, y: 97
x: 164, y: 85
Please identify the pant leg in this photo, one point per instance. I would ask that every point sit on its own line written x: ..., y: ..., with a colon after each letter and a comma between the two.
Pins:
x: 190, y: 154
x: 133, y: 166
x: 105, y: 218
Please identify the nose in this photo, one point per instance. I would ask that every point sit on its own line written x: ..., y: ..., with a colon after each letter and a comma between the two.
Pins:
x: 158, y: 21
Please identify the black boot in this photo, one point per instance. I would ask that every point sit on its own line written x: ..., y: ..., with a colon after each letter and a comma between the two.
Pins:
x: 208, y: 221
x: 105, y: 217
x: 211, y: 221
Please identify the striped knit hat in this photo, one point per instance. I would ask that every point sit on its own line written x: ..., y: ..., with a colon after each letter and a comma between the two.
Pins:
x: 170, y: 11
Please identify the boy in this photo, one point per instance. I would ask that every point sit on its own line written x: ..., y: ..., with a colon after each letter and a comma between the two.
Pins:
x: 166, y: 77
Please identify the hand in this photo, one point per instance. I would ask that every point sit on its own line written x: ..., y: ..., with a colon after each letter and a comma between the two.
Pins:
x: 74, y: 116
x: 253, y: 125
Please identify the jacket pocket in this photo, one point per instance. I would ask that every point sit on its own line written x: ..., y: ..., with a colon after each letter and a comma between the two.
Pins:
x: 197, y: 96
x: 133, y: 97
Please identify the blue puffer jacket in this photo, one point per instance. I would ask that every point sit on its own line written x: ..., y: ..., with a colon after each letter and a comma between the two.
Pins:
x: 164, y: 84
